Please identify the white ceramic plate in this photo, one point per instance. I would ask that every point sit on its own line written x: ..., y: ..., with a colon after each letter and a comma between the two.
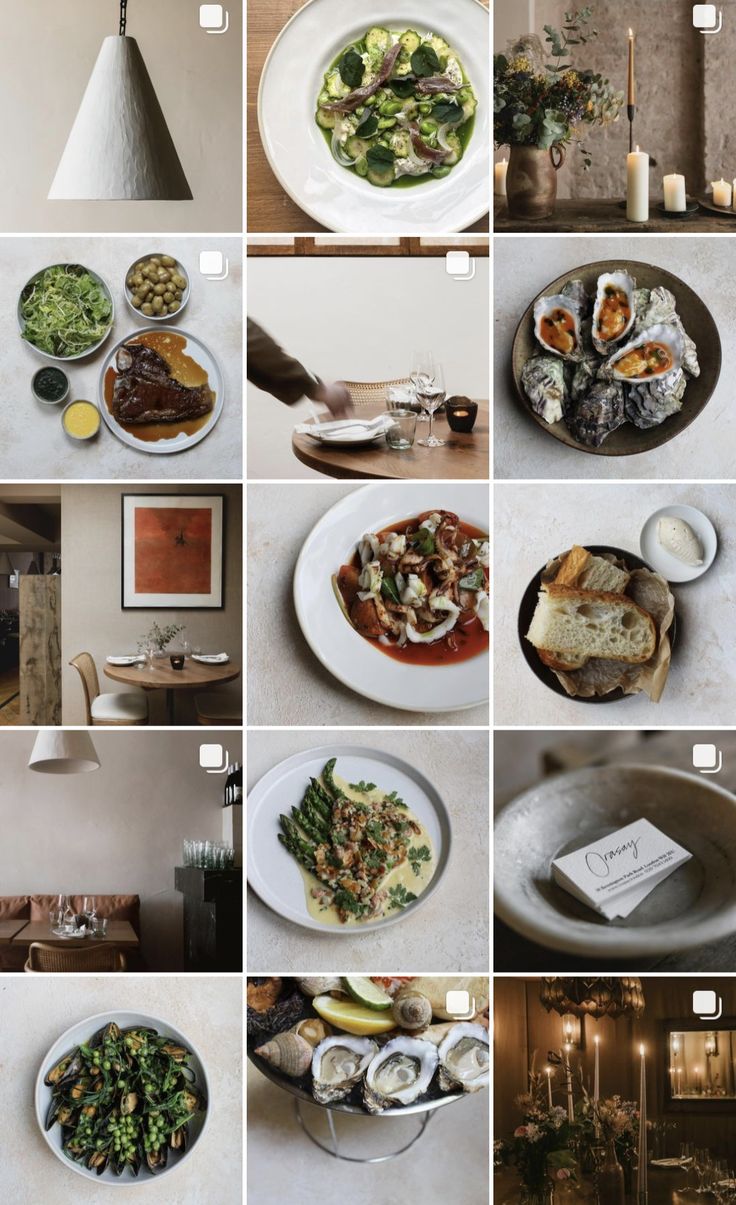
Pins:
x: 352, y: 659
x: 179, y: 443
x: 299, y: 155
x: 82, y: 1032
x: 272, y: 872
x: 139, y: 660
x: 673, y: 569
x: 694, y: 906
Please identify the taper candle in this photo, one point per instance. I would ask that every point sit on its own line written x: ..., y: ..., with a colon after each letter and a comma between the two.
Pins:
x: 548, y: 1072
x: 637, y: 186
x: 596, y: 1085
x: 641, y: 1176
x: 675, y: 196
x: 568, y: 1084
x: 499, y: 178
x: 631, y: 95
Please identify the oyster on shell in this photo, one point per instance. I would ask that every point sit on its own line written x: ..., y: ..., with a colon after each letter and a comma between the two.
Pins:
x: 654, y: 352
x: 650, y: 403
x: 577, y: 292
x: 465, y: 1058
x: 679, y: 539
x: 661, y: 307
x: 338, y: 1063
x: 597, y: 414
x: 399, y: 1073
x: 557, y: 326
x: 614, y: 310
x: 543, y: 380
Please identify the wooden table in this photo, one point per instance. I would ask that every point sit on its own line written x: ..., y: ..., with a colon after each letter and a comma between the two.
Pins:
x: 119, y: 933
x: 605, y: 217
x: 8, y: 930
x: 464, y: 457
x: 194, y: 676
x: 269, y: 207
x: 664, y: 1186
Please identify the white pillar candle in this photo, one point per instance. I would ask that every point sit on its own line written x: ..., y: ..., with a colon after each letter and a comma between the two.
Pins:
x: 734, y: 194
x: 675, y: 200
x: 637, y: 186
x: 641, y: 1176
x: 499, y: 178
x: 548, y: 1071
x: 721, y: 193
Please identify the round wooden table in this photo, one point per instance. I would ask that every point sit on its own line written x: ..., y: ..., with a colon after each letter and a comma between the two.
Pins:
x: 194, y: 676
x: 464, y: 457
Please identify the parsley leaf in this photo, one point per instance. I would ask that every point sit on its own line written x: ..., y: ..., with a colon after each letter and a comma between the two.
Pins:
x: 399, y: 896
x: 363, y: 787
x: 374, y: 830
x: 394, y: 799
x: 417, y: 856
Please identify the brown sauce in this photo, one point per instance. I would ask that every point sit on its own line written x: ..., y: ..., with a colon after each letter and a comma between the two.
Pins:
x: 467, y: 639
x: 614, y: 313
x: 171, y: 345
x: 558, y: 330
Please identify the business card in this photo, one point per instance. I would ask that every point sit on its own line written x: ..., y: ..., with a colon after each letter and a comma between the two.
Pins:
x: 616, y: 873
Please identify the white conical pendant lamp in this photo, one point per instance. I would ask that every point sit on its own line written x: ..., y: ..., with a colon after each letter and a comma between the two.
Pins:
x: 59, y: 751
x: 120, y: 148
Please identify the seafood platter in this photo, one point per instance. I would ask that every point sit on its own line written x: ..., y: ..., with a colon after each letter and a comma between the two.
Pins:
x: 376, y: 1045
x: 616, y: 359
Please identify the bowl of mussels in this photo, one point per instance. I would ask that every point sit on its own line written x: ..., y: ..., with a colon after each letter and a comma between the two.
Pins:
x: 122, y: 1097
x: 616, y: 357
x: 380, y: 1045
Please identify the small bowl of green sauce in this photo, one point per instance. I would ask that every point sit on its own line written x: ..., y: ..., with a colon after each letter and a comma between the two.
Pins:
x: 50, y: 386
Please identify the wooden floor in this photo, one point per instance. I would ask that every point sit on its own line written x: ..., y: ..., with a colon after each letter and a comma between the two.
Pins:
x: 9, y: 698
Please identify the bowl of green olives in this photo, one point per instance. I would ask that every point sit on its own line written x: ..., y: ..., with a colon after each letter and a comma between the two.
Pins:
x: 156, y: 287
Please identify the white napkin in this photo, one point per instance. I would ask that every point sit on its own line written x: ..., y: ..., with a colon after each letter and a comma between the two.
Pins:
x: 346, y: 429
x: 210, y: 658
x: 126, y: 659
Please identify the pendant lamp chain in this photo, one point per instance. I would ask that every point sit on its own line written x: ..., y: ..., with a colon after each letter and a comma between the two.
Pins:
x: 123, y: 17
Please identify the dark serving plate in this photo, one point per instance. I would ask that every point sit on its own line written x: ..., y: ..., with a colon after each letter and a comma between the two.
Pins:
x: 526, y: 612
x: 699, y: 323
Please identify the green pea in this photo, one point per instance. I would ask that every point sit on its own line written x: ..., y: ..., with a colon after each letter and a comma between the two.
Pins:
x: 107, y: 1064
x: 425, y: 108
x: 389, y: 108
x: 428, y: 127
x: 441, y: 172
x: 385, y: 123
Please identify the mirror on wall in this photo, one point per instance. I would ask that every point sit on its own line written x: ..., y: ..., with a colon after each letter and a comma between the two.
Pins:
x: 702, y: 1064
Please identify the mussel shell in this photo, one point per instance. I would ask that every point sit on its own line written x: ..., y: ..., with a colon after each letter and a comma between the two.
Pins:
x: 667, y: 334
x: 620, y: 280
x: 156, y: 1160
x: 66, y: 1069
x: 98, y: 1161
x: 179, y: 1140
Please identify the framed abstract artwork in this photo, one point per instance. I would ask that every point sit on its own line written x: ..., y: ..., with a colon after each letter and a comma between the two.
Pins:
x: 173, y: 551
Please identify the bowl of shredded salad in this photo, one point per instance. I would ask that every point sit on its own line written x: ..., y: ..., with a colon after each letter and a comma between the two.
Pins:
x: 65, y: 312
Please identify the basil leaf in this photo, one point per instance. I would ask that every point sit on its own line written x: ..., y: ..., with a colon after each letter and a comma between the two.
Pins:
x: 389, y: 588
x: 367, y: 125
x: 424, y: 61
x: 380, y: 157
x: 473, y: 581
x: 403, y: 88
x: 445, y: 111
x: 423, y: 541
x: 351, y: 68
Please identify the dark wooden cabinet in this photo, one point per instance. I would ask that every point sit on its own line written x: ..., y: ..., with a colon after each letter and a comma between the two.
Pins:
x: 213, y: 918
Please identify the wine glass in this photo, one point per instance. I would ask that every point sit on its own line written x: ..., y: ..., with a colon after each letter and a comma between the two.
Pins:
x: 151, y: 653
x: 89, y: 908
x: 422, y: 372
x: 431, y: 395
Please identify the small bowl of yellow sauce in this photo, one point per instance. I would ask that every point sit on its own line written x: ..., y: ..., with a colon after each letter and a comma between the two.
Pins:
x: 81, y: 420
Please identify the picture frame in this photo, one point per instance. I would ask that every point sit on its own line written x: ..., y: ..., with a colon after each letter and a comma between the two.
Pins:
x: 172, y: 552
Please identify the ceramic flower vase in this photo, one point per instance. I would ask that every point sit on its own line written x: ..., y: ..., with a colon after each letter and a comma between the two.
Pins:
x: 531, y: 181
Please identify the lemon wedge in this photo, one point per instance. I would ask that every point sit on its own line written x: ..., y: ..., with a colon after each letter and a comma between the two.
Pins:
x: 352, y: 1017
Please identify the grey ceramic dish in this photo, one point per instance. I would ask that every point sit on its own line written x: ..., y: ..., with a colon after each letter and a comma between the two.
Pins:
x: 694, y: 906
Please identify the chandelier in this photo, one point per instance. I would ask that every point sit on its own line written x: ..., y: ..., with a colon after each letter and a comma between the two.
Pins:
x: 598, y: 997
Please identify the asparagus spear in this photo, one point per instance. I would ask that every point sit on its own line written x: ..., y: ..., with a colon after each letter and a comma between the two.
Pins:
x: 319, y: 798
x: 301, y: 849
x: 297, y: 852
x: 305, y: 822
x: 327, y: 778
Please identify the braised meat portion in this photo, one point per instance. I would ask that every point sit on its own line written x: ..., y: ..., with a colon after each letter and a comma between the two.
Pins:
x: 145, y: 391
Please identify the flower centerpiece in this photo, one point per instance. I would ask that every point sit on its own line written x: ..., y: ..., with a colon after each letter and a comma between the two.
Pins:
x: 540, y: 1147
x: 611, y: 1125
x: 159, y: 638
x: 541, y: 102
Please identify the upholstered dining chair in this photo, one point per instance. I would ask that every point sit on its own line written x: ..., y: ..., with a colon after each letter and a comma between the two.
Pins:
x: 111, y: 707
x: 373, y: 393
x: 100, y: 956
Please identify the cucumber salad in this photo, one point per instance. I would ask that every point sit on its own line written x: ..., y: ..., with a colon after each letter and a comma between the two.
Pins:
x: 397, y: 108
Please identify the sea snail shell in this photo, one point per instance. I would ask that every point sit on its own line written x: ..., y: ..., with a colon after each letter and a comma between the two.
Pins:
x: 412, y: 1011
x: 288, y: 1052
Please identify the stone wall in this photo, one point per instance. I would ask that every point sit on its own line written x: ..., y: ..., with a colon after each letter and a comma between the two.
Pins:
x: 673, y: 98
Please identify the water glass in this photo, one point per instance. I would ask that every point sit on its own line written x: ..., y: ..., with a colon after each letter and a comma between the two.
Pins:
x: 400, y: 434
x: 56, y: 916
x: 99, y: 926
x: 89, y: 907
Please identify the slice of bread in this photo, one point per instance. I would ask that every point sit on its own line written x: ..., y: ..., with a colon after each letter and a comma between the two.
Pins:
x: 584, y: 571
x: 563, y: 662
x: 591, y: 623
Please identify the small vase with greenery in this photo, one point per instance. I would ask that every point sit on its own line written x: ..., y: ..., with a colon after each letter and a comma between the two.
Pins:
x: 158, y: 638
x: 541, y: 1146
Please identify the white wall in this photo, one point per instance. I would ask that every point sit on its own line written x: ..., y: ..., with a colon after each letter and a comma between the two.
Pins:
x: 92, y: 619
x: 116, y: 830
x: 47, y: 51
x: 360, y: 319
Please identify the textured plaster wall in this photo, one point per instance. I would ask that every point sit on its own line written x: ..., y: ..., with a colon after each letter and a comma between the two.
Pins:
x: 673, y: 106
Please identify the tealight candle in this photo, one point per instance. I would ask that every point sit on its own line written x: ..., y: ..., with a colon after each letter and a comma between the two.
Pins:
x: 499, y: 178
x: 637, y: 186
x: 722, y: 192
x: 675, y: 197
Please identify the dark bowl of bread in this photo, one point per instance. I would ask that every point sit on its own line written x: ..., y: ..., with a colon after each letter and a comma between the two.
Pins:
x: 597, y: 624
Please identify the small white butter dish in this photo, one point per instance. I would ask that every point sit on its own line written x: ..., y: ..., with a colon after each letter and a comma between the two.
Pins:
x: 665, y: 562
